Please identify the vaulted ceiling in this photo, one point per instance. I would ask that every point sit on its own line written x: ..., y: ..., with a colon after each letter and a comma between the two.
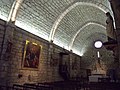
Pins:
x: 72, y: 24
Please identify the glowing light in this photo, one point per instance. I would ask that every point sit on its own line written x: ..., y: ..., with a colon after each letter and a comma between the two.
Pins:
x: 78, y: 52
x: 98, y: 54
x: 34, y: 43
x: 3, y: 17
x: 27, y: 41
x: 98, y: 44
x: 61, y: 44
x: 31, y: 29
x: 81, y: 54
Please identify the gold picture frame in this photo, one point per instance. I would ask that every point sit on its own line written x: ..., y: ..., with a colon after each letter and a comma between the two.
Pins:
x: 31, y: 58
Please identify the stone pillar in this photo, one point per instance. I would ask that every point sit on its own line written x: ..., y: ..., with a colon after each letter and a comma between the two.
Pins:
x: 8, y: 41
x: 6, y: 53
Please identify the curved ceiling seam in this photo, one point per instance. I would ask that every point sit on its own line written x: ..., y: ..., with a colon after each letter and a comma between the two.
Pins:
x: 104, y: 39
x: 97, y: 35
x: 103, y: 5
x: 85, y: 25
x: 82, y: 49
x: 14, y: 10
x: 90, y: 35
x: 11, y: 11
x: 62, y: 15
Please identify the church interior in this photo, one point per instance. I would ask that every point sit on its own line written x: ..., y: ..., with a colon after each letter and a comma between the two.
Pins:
x: 59, y: 45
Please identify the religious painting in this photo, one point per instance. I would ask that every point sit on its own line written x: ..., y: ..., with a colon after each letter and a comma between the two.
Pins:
x: 31, y: 57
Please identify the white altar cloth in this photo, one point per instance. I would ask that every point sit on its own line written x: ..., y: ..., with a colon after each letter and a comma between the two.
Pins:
x: 94, y: 78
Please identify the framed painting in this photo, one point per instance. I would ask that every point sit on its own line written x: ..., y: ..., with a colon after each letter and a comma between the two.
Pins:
x: 31, y: 56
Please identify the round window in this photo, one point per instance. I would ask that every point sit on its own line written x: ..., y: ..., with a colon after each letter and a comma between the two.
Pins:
x: 98, y: 44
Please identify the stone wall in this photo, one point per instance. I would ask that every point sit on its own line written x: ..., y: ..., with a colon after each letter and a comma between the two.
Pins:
x: 12, y: 56
x: 3, y: 66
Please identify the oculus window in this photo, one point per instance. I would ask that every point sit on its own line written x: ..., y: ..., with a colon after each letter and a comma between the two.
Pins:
x: 98, y: 44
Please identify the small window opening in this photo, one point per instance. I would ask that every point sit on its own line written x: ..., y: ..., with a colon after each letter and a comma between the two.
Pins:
x: 98, y: 44
x: 98, y: 54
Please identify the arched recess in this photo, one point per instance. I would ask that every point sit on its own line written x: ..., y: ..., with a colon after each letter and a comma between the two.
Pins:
x: 84, y: 25
x: 92, y: 29
x: 62, y: 15
x: 91, y: 39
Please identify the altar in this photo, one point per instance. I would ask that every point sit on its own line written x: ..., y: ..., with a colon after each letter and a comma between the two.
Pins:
x: 94, y: 78
x: 96, y: 74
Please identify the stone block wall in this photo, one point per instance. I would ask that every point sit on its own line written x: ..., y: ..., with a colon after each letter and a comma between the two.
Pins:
x: 3, y: 66
x: 11, y: 69
x: 2, y: 29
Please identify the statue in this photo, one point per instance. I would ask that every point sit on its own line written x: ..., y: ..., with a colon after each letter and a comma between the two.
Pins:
x: 110, y: 28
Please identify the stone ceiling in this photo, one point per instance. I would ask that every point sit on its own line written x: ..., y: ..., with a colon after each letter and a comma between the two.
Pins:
x: 72, y: 24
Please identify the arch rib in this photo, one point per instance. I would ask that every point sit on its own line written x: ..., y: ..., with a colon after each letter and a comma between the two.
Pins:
x: 14, y: 10
x: 62, y: 15
x: 85, y: 25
